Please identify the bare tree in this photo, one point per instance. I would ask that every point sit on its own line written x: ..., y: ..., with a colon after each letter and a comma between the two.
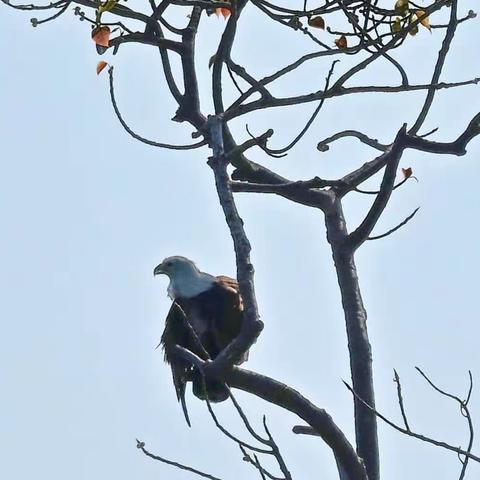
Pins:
x: 365, y: 32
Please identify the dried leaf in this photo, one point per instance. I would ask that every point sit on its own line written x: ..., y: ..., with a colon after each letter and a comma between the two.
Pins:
x: 424, y: 19
x: 100, y: 66
x: 317, y: 22
x: 407, y: 172
x: 401, y: 7
x: 341, y: 42
x: 225, y: 12
x: 413, y: 26
x: 101, y: 36
x: 396, y: 26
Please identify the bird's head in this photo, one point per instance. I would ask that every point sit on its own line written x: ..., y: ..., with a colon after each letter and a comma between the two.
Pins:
x: 176, y: 266
x: 186, y: 280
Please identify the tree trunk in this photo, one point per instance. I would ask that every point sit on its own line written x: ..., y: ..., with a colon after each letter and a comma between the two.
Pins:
x: 358, y: 342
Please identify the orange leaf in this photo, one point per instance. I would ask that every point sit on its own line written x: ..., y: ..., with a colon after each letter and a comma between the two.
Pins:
x: 100, y: 66
x: 425, y: 21
x: 341, y: 42
x: 223, y: 11
x: 101, y: 36
x: 407, y: 172
x: 317, y: 22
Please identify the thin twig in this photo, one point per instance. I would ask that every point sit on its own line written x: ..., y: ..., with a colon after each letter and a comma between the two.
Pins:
x: 323, y: 146
x: 410, y: 433
x: 396, y: 379
x: 442, y: 55
x: 255, y: 462
x: 376, y: 192
x: 245, y: 420
x: 141, y: 446
x: 138, y: 137
x: 36, y: 22
x: 241, y: 443
x: 400, y: 225
x: 304, y: 130
x: 464, y: 410
x: 276, y: 452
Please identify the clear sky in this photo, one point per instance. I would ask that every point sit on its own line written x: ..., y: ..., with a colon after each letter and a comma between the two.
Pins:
x: 87, y: 212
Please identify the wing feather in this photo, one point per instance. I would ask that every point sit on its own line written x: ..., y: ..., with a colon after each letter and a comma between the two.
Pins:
x: 230, y: 316
x: 176, y: 333
x: 232, y: 287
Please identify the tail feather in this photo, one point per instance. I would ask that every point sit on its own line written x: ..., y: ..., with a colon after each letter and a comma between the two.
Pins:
x: 180, y: 382
x: 184, y: 408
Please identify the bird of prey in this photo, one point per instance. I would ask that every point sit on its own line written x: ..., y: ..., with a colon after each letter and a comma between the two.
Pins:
x: 206, y: 309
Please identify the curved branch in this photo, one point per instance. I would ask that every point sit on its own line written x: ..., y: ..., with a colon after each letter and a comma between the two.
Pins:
x: 357, y: 237
x: 371, y: 142
x: 442, y: 55
x: 310, y: 120
x: 229, y: 435
x: 30, y: 7
x: 223, y: 54
x: 264, y: 474
x: 418, y: 436
x: 36, y: 22
x: 138, y: 137
x: 276, y: 451
x: 457, y: 147
x: 119, y: 9
x: 139, y: 37
x: 286, y: 397
x: 394, y: 229
x: 464, y: 410
x: 376, y: 192
x: 141, y: 446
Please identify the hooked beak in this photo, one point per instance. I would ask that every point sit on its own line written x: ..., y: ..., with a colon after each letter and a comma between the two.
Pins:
x: 158, y: 270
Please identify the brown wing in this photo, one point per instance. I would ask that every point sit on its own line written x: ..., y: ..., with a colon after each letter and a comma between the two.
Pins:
x: 228, y: 320
x: 231, y: 285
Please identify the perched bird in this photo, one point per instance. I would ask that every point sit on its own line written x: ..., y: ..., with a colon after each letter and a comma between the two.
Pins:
x: 205, y: 309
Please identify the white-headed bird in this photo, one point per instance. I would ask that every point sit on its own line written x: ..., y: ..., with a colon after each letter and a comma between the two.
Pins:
x: 205, y: 309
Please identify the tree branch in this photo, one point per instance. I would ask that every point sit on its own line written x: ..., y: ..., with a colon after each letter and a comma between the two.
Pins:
x: 418, y: 436
x: 251, y: 324
x: 442, y: 55
x: 338, y: 91
x: 359, y: 348
x: 323, y: 146
x: 457, y: 147
x: 396, y: 379
x: 394, y: 229
x: 286, y: 397
x: 138, y: 137
x: 141, y: 446
x: 356, y: 238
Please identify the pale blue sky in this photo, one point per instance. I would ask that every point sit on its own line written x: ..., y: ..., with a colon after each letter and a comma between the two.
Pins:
x: 87, y: 212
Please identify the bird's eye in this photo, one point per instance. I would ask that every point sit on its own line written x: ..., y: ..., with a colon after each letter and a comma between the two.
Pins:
x: 168, y: 264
